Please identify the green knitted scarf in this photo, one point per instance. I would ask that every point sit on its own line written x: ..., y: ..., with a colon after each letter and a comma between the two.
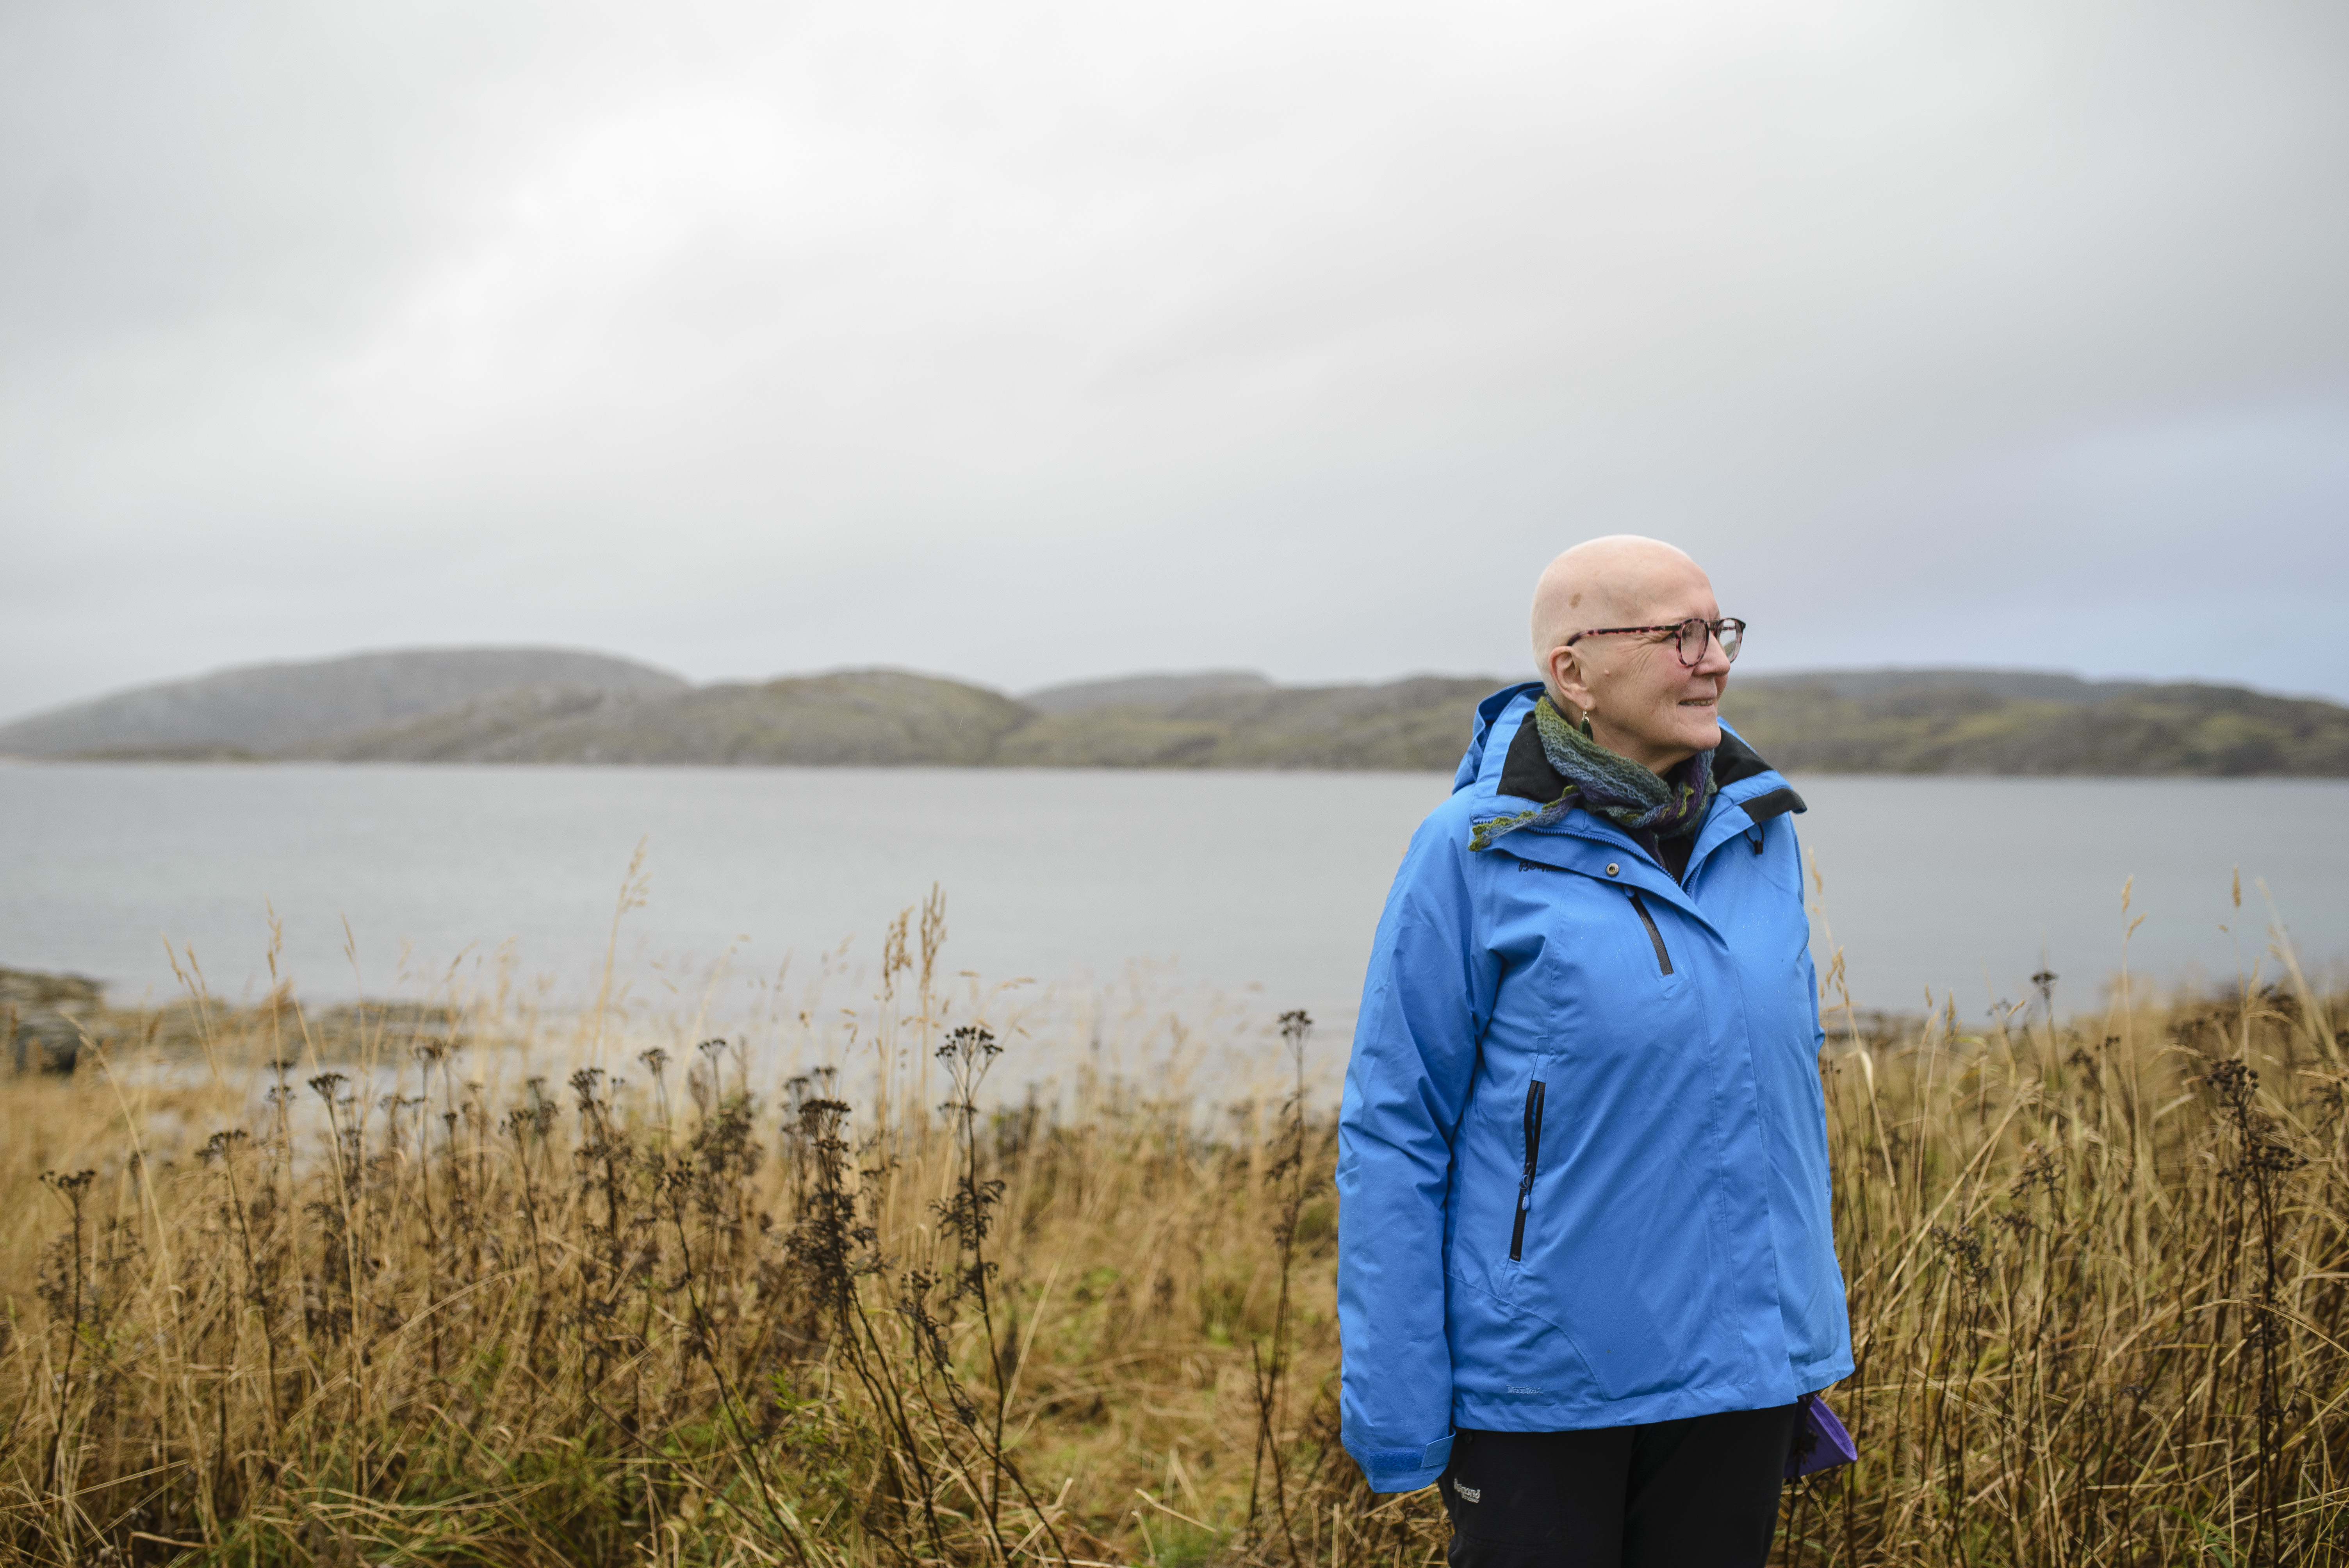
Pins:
x: 1608, y: 785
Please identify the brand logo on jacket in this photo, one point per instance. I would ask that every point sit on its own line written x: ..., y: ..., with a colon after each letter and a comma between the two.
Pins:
x: 1469, y: 1493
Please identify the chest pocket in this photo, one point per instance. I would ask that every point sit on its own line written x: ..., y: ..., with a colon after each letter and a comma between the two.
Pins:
x: 1656, y: 937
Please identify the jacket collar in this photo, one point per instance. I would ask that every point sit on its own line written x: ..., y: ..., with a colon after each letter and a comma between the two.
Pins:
x: 1752, y: 792
x: 1527, y: 772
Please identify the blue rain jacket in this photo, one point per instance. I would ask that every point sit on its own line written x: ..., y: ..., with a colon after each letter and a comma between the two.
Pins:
x: 1582, y: 1159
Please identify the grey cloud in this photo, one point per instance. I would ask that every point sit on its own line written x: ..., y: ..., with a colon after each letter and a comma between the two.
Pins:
x: 1045, y: 340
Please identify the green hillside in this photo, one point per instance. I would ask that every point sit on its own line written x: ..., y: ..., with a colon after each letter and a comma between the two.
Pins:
x: 274, y: 708
x: 1407, y: 724
x: 1945, y: 722
x: 1927, y: 721
x: 869, y: 718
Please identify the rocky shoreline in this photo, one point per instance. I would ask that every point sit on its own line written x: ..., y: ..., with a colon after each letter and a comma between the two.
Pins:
x: 55, y: 1024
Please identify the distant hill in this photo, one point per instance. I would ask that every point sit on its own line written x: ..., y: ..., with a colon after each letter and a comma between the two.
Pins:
x: 1877, y: 721
x: 1959, y: 721
x: 886, y: 717
x: 1872, y: 686
x: 1421, y: 723
x: 862, y: 718
x: 1144, y: 691
x: 267, y: 708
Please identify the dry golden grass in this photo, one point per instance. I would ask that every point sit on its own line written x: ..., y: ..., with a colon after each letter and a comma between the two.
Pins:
x: 480, y: 1310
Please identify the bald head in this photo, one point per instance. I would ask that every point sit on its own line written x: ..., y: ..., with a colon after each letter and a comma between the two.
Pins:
x: 1634, y: 694
x: 1621, y: 580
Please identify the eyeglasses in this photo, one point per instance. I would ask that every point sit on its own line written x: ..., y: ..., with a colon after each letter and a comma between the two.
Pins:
x: 1688, y: 637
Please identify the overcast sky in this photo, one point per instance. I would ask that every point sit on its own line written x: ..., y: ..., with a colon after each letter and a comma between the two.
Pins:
x: 1029, y: 342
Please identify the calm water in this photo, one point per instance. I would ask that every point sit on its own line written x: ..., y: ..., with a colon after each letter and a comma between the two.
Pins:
x: 1262, y: 886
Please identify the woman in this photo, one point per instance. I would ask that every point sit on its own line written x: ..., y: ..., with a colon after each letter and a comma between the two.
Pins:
x: 1586, y: 1277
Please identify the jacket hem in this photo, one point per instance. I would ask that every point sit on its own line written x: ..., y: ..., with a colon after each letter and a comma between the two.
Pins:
x: 1532, y: 1414
x: 1824, y: 1373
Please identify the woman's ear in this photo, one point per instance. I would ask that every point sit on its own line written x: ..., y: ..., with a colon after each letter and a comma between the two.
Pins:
x: 1568, y: 688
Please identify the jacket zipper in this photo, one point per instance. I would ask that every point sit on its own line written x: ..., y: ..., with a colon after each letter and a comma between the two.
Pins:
x: 1664, y: 959
x: 1533, y: 1161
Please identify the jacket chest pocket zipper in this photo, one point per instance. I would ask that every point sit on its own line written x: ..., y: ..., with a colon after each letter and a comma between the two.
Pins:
x: 1534, y: 1093
x: 1664, y: 959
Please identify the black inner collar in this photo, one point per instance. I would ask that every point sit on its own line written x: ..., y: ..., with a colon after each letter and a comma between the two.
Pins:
x: 1526, y: 773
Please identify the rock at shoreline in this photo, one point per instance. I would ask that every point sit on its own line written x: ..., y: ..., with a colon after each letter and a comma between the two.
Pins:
x: 45, y: 1017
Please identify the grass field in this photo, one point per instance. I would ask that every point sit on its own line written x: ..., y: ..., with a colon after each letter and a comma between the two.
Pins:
x: 502, y: 1289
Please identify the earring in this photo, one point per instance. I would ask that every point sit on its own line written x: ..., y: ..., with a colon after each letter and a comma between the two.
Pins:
x: 1586, y: 714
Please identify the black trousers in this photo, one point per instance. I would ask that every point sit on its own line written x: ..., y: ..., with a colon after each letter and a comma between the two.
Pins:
x: 1702, y: 1492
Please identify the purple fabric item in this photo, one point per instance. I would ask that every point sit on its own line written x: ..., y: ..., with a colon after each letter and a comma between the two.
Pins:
x: 1820, y: 1442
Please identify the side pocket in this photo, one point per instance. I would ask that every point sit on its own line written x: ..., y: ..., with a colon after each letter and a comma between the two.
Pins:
x: 1664, y: 958
x: 1534, y: 1093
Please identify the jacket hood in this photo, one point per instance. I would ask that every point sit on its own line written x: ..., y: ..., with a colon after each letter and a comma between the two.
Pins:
x: 1489, y: 714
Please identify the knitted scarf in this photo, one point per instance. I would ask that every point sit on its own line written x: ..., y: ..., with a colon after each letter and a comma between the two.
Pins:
x: 1608, y: 785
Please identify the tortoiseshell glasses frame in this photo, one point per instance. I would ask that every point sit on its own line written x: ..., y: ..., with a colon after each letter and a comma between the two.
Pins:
x: 1729, y: 631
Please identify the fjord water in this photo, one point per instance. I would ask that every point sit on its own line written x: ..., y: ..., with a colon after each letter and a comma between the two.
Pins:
x: 1263, y: 887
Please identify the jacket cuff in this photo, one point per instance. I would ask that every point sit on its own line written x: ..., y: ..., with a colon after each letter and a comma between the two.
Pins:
x: 1403, y: 1469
